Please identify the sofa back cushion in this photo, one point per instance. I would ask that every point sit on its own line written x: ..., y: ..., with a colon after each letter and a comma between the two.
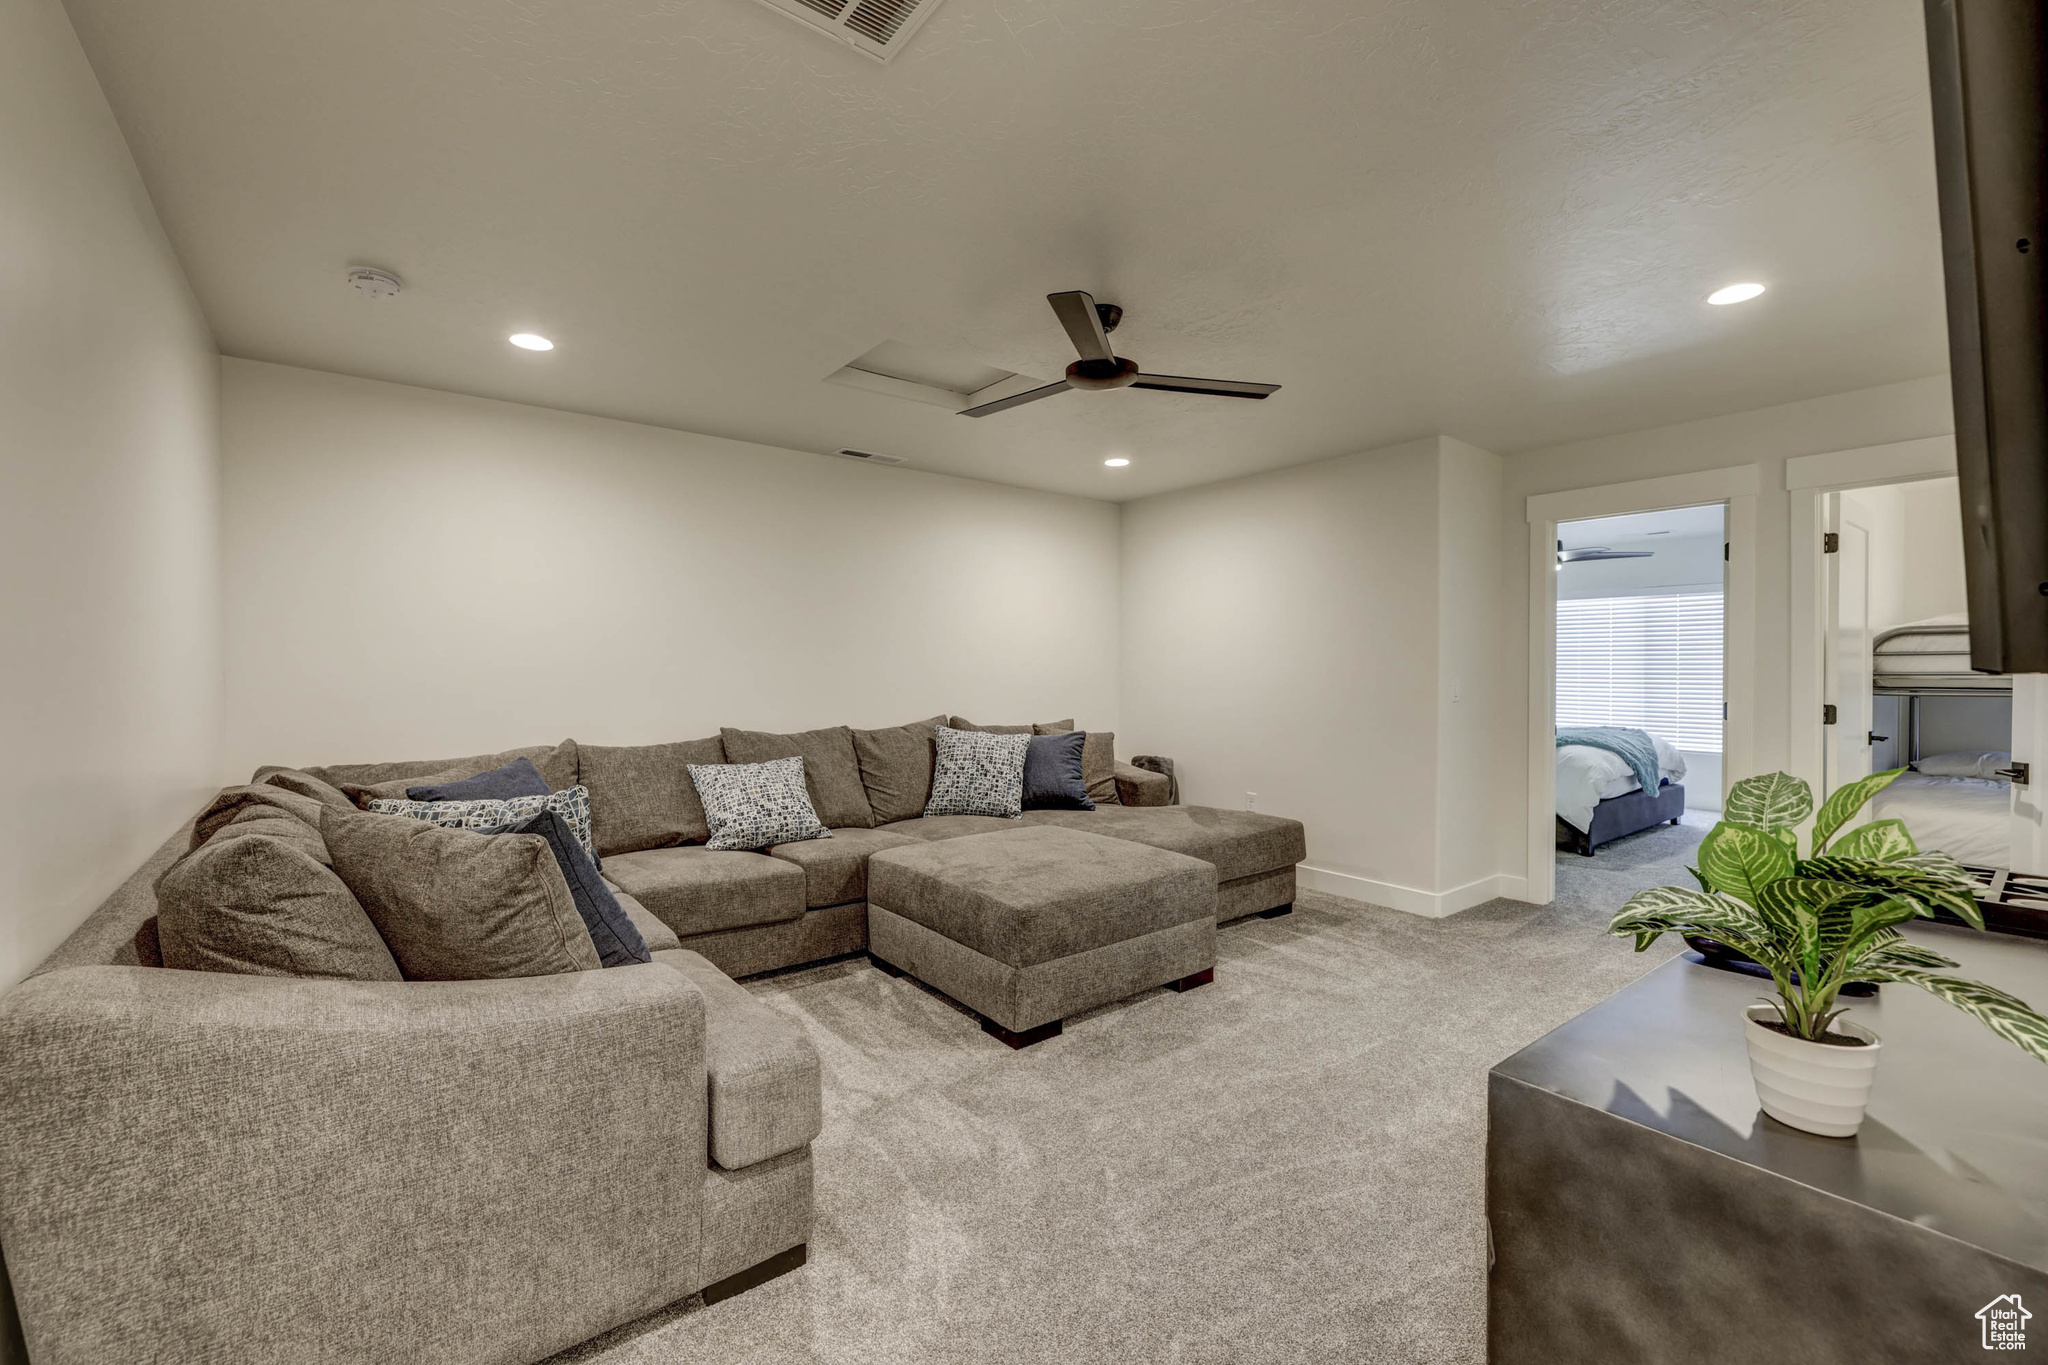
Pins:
x: 556, y: 764
x: 517, y: 778
x: 1043, y: 727
x: 302, y: 783
x: 831, y: 770
x: 258, y: 898
x: 612, y: 931
x: 641, y: 795
x: 896, y: 768
x: 455, y: 905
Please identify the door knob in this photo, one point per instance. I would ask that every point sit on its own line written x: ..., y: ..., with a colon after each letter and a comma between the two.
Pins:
x: 1879, y: 739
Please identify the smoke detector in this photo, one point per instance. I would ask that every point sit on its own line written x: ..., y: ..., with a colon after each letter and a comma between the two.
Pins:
x: 868, y: 455
x: 377, y: 284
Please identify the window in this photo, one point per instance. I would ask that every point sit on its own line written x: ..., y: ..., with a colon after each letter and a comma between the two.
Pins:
x: 1653, y: 663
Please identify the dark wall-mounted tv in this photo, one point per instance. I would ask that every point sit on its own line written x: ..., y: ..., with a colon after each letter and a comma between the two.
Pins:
x: 1986, y: 67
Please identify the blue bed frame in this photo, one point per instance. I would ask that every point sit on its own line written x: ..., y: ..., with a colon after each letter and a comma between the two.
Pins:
x: 1628, y: 813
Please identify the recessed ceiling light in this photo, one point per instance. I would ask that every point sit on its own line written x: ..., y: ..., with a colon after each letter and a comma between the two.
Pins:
x: 1735, y: 293
x: 1118, y: 463
x: 531, y: 341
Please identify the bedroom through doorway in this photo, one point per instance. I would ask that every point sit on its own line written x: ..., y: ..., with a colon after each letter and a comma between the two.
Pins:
x: 1640, y: 658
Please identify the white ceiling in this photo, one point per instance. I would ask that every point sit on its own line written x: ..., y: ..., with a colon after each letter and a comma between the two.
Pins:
x: 1679, y: 523
x: 1493, y: 221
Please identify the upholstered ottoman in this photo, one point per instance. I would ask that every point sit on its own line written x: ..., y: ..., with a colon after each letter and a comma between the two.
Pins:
x: 1027, y: 926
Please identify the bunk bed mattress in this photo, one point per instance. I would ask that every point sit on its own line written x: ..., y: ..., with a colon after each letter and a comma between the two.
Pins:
x: 1964, y: 817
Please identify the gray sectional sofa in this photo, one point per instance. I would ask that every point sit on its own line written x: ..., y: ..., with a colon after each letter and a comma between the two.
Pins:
x: 217, y: 1166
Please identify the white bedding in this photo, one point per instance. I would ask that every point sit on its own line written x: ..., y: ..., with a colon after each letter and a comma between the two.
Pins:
x: 1587, y: 776
x: 1964, y: 817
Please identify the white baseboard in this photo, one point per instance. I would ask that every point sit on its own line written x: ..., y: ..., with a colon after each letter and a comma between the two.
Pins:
x: 1430, y: 904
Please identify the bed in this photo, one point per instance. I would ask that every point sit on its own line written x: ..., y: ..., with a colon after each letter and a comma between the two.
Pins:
x: 1954, y: 802
x: 1600, y: 800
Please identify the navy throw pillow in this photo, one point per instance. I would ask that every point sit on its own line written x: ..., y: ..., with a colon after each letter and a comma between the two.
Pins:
x: 517, y: 778
x: 1052, y: 773
x: 611, y: 929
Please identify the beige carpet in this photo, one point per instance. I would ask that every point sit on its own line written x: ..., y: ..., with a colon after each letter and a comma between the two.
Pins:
x: 1285, y: 1165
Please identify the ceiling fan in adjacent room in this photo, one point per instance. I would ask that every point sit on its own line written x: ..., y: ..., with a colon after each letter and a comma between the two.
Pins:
x: 1592, y: 552
x: 1089, y: 324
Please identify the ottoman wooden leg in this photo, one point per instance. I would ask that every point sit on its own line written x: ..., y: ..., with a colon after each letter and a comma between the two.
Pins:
x: 1020, y: 1040
x: 1188, y: 983
x: 1277, y: 911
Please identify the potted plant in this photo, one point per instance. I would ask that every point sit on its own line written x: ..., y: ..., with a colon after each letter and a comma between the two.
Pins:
x: 1817, y: 923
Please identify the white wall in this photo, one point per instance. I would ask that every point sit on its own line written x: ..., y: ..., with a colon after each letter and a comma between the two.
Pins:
x: 410, y: 573
x: 1299, y: 634
x: 110, y: 675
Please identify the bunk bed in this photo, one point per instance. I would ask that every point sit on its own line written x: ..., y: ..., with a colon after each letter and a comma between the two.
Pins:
x: 1961, y: 805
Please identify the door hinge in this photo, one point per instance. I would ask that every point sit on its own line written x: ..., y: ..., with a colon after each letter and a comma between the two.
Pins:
x: 1831, y: 543
x: 1827, y: 714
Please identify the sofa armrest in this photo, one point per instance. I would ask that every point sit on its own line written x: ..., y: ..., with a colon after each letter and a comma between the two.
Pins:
x: 1137, y: 787
x: 204, y: 1166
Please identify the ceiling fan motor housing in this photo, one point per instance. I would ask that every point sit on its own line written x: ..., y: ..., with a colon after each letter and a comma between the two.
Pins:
x: 1102, y: 374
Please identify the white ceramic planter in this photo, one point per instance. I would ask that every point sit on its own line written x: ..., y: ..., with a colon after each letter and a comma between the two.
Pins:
x: 1815, y: 1087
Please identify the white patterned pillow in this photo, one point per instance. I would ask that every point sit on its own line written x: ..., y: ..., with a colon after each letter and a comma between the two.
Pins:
x: 978, y: 774
x: 572, y: 804
x: 753, y: 805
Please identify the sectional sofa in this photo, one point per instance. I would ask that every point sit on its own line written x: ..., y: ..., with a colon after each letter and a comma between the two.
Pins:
x: 206, y: 1165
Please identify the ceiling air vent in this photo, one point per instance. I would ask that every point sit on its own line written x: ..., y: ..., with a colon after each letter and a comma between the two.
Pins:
x: 870, y: 456
x: 879, y: 28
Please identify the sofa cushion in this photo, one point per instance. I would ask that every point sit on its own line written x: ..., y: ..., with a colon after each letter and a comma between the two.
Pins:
x: 1052, y: 774
x: 753, y: 805
x: 363, y: 781
x: 297, y: 817
x: 699, y: 890
x: 255, y: 900
x: 950, y: 826
x: 455, y: 905
x: 1032, y: 895
x: 302, y: 783
x: 761, y: 1073
x: 830, y: 769
x: 641, y: 795
x: 1098, y: 767
x: 612, y: 930
x: 836, y: 869
x: 653, y: 932
x: 977, y: 773
x: 1137, y: 786
x: 1044, y: 727
x: 517, y: 778
x: 1239, y: 843
x: 571, y: 803
x: 896, y: 768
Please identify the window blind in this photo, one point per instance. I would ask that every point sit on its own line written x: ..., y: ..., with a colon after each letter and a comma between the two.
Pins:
x: 1653, y: 663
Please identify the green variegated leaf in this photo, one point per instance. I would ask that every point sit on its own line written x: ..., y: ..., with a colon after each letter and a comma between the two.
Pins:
x: 1845, y: 801
x: 1741, y: 860
x: 2007, y: 1016
x: 1930, y: 878
x: 1674, y: 909
x: 1899, y: 953
x: 1770, y: 802
x: 1883, y: 840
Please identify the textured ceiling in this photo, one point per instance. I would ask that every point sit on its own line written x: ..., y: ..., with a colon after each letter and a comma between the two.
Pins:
x: 1493, y: 221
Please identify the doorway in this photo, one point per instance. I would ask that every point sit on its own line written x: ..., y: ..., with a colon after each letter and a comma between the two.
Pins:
x: 1639, y: 667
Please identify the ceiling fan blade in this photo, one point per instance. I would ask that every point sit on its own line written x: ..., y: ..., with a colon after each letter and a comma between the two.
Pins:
x: 1015, y: 400
x: 1076, y: 311
x: 1222, y: 388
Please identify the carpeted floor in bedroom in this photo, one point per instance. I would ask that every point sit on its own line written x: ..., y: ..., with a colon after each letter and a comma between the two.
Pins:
x: 1283, y: 1166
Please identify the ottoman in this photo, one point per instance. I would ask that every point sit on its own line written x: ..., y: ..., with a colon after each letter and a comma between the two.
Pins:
x: 1027, y: 926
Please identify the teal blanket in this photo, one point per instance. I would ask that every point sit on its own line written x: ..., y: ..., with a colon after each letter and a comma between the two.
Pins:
x: 1633, y: 747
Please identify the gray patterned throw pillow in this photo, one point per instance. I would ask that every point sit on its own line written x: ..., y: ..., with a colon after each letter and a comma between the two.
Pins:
x: 753, y: 805
x: 572, y: 804
x: 978, y: 774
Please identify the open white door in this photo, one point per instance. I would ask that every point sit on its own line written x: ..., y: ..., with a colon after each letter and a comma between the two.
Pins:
x: 1848, y: 642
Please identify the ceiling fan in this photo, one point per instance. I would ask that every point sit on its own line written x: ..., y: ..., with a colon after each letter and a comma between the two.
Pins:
x: 1593, y: 552
x: 1089, y: 324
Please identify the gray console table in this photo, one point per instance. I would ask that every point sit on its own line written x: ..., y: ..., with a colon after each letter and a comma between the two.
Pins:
x: 1644, y: 1210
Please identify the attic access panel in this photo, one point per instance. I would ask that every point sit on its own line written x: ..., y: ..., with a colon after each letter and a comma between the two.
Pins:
x: 876, y: 28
